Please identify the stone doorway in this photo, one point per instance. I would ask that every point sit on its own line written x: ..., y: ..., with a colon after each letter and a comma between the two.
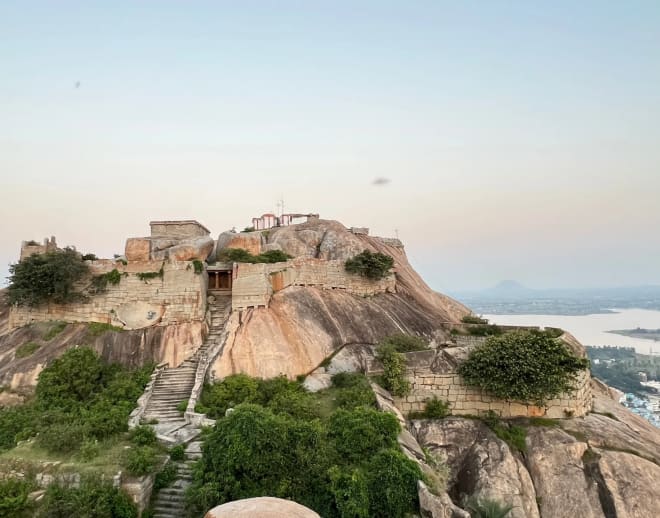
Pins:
x: 220, y: 280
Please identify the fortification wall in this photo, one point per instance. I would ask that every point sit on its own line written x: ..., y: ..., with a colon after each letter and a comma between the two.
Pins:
x: 433, y: 374
x: 254, y: 284
x: 177, y: 297
x: 468, y: 400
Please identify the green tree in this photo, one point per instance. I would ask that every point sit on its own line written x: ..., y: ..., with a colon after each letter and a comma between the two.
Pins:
x: 370, y: 265
x: 394, y: 370
x: 392, y: 483
x: 359, y: 433
x: 49, y: 277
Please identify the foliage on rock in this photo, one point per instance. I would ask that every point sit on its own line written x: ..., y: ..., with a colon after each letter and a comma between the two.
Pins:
x: 434, y: 409
x: 369, y: 264
x: 92, y: 499
x: 527, y: 366
x: 240, y: 255
x: 394, y: 370
x: 342, y: 462
x: 405, y: 343
x: 50, y: 277
x: 78, y: 398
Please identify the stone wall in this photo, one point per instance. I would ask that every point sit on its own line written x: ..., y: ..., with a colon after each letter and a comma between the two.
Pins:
x: 433, y: 374
x: 254, y: 284
x: 29, y: 248
x: 468, y: 400
x: 179, y: 296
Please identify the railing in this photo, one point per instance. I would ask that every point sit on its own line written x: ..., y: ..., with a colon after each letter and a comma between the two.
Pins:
x: 136, y: 415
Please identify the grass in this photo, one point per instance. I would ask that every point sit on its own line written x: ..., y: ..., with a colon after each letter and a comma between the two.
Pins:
x: 98, y: 328
x: 510, y: 433
x: 27, y: 349
x: 543, y: 421
x: 28, y: 456
x: 56, y: 328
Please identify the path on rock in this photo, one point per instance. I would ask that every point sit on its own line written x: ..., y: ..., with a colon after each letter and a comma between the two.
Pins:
x: 170, y: 501
x: 174, y: 386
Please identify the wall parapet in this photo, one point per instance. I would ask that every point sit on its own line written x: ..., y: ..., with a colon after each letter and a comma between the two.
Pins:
x: 176, y: 296
x: 254, y: 284
x: 434, y: 374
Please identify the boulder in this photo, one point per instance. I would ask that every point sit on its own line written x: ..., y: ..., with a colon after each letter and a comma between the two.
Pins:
x: 138, y: 249
x: 250, y: 241
x: 261, y: 507
x: 481, y: 465
x: 197, y: 248
x: 632, y: 484
x: 317, y: 381
x: 437, y: 506
x: 563, y: 488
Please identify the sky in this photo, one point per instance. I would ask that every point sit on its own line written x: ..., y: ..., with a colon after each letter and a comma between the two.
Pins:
x: 521, y: 140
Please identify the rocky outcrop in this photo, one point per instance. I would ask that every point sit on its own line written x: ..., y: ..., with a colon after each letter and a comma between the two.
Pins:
x: 159, y: 344
x: 555, y: 463
x: 480, y: 464
x: 303, y: 326
x: 250, y: 241
x: 161, y: 248
x: 599, y: 466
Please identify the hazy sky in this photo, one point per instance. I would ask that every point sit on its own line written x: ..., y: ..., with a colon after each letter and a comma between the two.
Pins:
x: 522, y: 139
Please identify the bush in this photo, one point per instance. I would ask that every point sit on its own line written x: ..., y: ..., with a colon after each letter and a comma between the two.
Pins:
x: 360, y: 433
x: 178, y: 452
x: 89, y: 257
x: 486, y: 508
x: 143, y: 436
x: 89, y: 449
x: 484, y: 330
x: 392, y: 484
x: 370, y: 265
x: 56, y: 328
x: 350, y: 492
x: 98, y: 328
x: 231, y: 391
x: 100, y: 282
x: 26, y: 350
x: 527, y: 366
x: 473, y: 319
x: 17, y: 423
x: 355, y: 390
x: 404, y: 343
x: 62, y: 437
x: 240, y: 255
x: 93, y: 499
x: 434, y: 409
x: 14, y: 501
x: 510, y: 433
x: 198, y: 266
x: 165, y: 477
x: 43, y: 278
x: 140, y: 460
x: 394, y: 370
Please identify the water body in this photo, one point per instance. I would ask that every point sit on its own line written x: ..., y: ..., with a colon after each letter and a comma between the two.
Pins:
x: 591, y: 329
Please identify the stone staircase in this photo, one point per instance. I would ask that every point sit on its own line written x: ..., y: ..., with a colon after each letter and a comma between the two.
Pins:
x: 170, y: 501
x: 174, y: 385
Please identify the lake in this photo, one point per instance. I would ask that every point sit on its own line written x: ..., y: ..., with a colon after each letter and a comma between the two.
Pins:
x: 591, y: 329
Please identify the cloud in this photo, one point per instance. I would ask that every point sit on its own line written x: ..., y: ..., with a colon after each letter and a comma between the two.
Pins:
x: 380, y: 181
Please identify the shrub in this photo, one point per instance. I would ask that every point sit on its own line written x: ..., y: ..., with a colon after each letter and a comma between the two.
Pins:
x: 350, y: 492
x: 100, y: 282
x: 17, y: 423
x: 473, y: 319
x: 484, y: 330
x: 231, y: 391
x: 98, y: 328
x: 404, y: 343
x: 182, y: 406
x: 145, y: 276
x: 510, y: 433
x: 178, y: 452
x: 240, y: 255
x: 14, y: 502
x: 355, y: 390
x: 434, y: 409
x: 62, y: 437
x: 49, y: 277
x: 370, y: 265
x: 89, y: 257
x: 392, y: 484
x: 92, y: 499
x: 361, y: 432
x: 523, y: 365
x: 56, y: 328
x: 143, y: 436
x: 198, y: 266
x: 394, y: 370
x: 139, y: 460
x: 89, y: 449
x: 26, y: 350
x: 486, y: 508
x: 165, y: 477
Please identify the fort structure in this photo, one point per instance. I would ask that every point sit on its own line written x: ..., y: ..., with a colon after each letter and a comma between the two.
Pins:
x: 175, y: 277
